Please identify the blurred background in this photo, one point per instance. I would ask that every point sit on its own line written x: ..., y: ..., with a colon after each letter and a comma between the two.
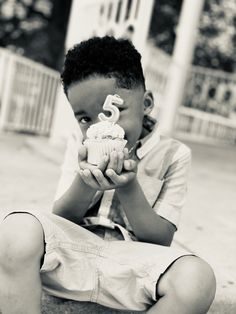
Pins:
x: 188, y: 50
x: 201, y: 45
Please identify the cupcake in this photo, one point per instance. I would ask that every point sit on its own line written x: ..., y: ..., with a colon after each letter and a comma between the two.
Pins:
x: 105, y: 136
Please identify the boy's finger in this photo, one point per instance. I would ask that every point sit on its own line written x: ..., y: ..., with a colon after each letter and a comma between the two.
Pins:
x: 130, y: 165
x: 101, y: 180
x: 126, y: 153
x: 82, y: 153
x: 85, y: 165
x: 115, y: 178
x: 113, y: 160
x: 87, y: 177
x: 103, y: 164
x: 120, y: 162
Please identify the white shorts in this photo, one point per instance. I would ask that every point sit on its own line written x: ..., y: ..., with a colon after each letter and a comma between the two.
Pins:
x: 81, y: 266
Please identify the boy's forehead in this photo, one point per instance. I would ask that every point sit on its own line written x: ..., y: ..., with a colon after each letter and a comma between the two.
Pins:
x: 90, y: 94
x: 91, y: 91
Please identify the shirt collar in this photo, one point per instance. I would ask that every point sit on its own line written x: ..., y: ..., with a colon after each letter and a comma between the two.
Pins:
x: 147, y: 143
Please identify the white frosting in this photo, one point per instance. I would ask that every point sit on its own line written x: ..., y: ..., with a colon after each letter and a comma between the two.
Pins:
x: 105, y: 129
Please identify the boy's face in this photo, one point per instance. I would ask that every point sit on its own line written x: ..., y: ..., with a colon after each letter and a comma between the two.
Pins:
x: 87, y: 98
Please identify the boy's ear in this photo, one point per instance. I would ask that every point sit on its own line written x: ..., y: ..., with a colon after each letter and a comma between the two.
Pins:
x: 148, y: 102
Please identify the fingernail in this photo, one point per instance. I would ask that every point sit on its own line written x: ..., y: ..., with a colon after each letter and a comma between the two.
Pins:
x: 128, y: 164
x: 109, y: 172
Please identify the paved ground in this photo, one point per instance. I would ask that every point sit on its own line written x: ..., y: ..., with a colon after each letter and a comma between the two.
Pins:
x: 29, y: 173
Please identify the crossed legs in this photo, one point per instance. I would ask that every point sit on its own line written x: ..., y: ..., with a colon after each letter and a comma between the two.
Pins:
x: 187, y: 287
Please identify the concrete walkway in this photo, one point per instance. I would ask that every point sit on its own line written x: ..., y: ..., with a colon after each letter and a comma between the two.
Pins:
x: 30, y: 170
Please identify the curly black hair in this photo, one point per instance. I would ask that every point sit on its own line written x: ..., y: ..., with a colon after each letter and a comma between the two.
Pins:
x: 103, y: 56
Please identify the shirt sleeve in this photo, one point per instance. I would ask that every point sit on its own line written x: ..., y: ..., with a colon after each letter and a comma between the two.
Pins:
x: 172, y: 196
x: 70, y: 165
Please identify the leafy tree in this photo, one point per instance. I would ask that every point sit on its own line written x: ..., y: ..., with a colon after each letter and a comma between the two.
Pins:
x: 164, y: 21
x: 216, y: 40
x: 35, y: 28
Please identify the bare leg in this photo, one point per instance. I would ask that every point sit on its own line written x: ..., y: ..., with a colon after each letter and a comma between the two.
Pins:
x: 21, y: 250
x: 188, y: 287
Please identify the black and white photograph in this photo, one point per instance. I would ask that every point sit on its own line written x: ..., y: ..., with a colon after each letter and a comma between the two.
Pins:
x: 117, y: 156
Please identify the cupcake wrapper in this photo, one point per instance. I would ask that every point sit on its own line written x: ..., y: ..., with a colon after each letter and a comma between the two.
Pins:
x: 97, y: 149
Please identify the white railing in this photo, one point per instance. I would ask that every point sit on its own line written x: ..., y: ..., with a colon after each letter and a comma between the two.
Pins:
x: 27, y: 94
x: 211, y: 91
x: 209, y: 105
x: 203, y: 125
x: 119, y: 18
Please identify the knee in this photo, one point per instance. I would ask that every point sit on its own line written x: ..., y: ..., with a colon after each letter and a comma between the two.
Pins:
x: 192, y: 281
x: 21, y: 242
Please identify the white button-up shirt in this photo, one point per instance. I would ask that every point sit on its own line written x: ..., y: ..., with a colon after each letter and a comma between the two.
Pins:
x: 163, y: 165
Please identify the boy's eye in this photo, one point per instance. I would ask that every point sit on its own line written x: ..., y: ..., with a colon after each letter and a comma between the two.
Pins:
x: 84, y: 120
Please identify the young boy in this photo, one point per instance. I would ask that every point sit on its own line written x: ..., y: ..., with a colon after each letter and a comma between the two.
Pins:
x: 108, y: 239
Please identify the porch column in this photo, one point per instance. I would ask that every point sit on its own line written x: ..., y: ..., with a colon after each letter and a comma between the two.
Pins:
x: 7, y: 66
x: 145, y: 11
x: 181, y: 60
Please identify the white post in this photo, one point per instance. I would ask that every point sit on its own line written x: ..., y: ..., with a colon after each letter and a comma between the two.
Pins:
x: 63, y: 118
x: 3, y: 62
x: 143, y: 25
x: 7, y: 90
x: 74, y: 30
x: 64, y: 122
x: 182, y: 57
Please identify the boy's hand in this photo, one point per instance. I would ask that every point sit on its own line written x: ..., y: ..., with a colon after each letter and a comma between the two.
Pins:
x: 113, y: 172
x: 126, y: 176
x: 82, y: 156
